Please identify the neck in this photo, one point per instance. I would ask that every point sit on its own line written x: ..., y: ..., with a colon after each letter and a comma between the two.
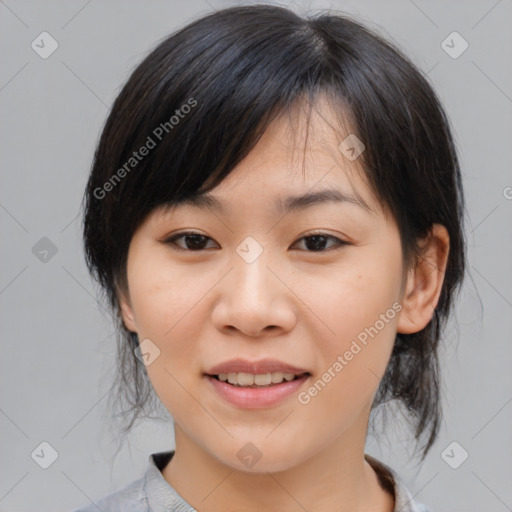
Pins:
x: 337, y: 478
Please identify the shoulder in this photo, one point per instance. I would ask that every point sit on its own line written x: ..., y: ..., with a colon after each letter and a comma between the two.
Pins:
x: 131, y: 498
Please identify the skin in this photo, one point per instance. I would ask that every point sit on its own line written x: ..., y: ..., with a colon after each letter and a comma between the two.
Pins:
x: 294, y: 304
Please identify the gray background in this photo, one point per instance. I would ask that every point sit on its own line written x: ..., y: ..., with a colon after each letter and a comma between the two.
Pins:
x: 57, y: 344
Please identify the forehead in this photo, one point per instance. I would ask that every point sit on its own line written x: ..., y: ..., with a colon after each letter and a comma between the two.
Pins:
x: 296, y: 163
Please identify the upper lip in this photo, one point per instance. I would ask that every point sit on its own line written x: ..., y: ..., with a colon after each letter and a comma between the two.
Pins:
x: 254, y: 367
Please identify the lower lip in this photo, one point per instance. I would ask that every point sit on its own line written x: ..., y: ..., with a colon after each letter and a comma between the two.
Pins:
x: 254, y: 398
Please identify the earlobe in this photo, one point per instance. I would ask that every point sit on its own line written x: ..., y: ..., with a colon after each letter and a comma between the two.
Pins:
x: 127, y: 314
x: 425, y: 282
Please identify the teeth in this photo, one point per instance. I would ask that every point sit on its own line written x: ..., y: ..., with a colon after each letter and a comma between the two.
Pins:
x: 260, y: 380
x: 248, y: 379
x: 244, y: 379
x: 277, y: 377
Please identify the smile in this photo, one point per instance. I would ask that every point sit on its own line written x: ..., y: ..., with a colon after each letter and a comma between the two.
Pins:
x: 256, y: 381
x: 255, y: 396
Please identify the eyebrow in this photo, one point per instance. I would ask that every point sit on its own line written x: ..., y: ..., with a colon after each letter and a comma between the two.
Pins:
x: 286, y: 205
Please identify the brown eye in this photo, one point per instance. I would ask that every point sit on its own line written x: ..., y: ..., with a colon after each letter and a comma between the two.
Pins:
x: 318, y: 241
x: 193, y: 241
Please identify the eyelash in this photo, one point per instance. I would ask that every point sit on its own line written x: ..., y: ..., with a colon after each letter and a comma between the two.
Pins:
x: 172, y: 241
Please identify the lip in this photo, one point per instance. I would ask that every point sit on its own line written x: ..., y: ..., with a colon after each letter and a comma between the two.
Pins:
x: 254, y: 398
x: 255, y: 367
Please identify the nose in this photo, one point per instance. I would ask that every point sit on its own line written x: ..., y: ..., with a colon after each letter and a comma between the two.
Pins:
x: 254, y: 300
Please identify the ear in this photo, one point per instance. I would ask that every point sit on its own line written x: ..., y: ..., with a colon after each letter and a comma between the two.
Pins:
x: 127, y: 313
x: 425, y: 282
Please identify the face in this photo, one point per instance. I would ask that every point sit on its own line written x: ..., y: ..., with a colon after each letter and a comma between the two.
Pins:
x: 317, y: 287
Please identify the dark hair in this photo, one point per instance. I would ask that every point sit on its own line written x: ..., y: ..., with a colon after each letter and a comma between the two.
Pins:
x: 199, y: 103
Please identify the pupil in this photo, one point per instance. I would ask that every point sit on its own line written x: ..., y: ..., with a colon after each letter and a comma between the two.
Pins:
x: 198, y: 241
x: 318, y: 242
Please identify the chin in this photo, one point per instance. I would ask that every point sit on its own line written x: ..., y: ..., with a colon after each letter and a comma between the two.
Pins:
x: 261, y: 457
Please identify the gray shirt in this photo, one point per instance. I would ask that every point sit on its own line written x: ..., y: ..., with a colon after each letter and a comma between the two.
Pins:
x: 152, y: 493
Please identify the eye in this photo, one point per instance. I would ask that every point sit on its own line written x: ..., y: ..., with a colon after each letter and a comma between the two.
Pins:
x: 316, y: 242
x: 195, y: 242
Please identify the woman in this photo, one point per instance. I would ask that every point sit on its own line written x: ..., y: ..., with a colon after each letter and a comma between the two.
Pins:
x: 275, y: 214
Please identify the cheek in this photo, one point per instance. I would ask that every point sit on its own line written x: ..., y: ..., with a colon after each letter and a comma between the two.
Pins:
x: 353, y: 299
x: 358, y: 311
x: 166, y: 317
x: 167, y: 303
x: 163, y: 295
x: 353, y: 363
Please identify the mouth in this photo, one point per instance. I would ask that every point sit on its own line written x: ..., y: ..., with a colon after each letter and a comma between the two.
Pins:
x: 253, y: 384
x: 258, y: 381
x: 256, y: 391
